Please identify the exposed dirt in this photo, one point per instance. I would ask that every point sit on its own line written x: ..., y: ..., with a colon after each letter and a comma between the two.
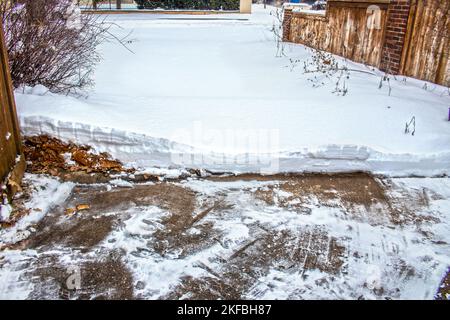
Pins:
x: 177, y: 233
x: 287, y: 251
x: 89, y: 227
x: 165, y: 195
x: 349, y: 192
x: 351, y: 189
x: 405, y: 206
x: 444, y: 288
x: 310, y: 249
x: 358, y: 188
x: 105, y: 278
x: 188, y: 226
x: 77, y: 232
x: 250, y: 177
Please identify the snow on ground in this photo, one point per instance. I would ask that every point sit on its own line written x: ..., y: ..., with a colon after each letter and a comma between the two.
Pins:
x: 46, y: 194
x: 209, y: 92
x: 259, y: 240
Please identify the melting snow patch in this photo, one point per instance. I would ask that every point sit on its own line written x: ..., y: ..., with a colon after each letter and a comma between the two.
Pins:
x: 47, y: 192
x: 5, y: 212
x: 121, y: 183
x: 13, y: 264
x: 159, y: 274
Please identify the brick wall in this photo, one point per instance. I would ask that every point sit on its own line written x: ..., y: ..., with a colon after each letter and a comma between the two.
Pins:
x: 397, y: 22
x: 287, y: 18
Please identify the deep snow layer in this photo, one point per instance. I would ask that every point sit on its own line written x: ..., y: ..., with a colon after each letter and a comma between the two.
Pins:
x: 209, y: 92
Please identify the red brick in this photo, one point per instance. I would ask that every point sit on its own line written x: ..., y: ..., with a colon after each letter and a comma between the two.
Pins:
x: 397, y: 21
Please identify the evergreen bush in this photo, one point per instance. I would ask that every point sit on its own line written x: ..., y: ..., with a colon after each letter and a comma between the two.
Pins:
x: 189, y: 4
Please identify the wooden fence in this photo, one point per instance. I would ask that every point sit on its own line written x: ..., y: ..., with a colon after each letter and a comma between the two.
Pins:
x: 12, y: 163
x: 343, y: 30
x: 426, y: 52
x: 409, y: 37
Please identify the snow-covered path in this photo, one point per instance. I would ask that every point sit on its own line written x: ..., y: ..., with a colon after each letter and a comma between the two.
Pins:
x: 214, y: 83
x: 253, y: 237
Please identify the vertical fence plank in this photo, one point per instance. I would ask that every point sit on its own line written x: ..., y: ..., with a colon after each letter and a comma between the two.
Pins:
x: 426, y: 51
x: 10, y: 140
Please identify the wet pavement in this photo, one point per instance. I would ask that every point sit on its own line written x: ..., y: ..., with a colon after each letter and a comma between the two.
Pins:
x: 345, y: 236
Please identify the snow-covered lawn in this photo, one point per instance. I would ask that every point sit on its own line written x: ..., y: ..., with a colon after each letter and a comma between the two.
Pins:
x: 212, y: 87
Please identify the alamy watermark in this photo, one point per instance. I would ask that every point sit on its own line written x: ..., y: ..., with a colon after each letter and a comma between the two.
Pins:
x: 373, y: 279
x: 374, y: 16
x: 251, y: 148
x: 73, y: 282
x: 195, y: 146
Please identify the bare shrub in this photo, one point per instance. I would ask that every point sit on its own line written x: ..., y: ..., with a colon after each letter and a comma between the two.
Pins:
x: 386, y: 77
x: 51, y: 43
x: 323, y: 66
x: 277, y: 30
x: 410, y: 126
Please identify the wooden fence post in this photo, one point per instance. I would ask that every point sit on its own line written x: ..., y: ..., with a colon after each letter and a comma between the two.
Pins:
x: 287, y: 19
x: 12, y: 162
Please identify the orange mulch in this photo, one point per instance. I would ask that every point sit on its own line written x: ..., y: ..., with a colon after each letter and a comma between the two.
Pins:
x: 51, y: 156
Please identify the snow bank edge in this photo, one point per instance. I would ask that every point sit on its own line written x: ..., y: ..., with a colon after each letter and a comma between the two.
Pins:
x: 144, y: 151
